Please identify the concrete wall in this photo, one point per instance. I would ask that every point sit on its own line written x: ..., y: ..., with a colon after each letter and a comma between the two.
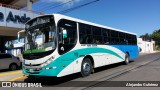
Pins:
x: 146, y: 46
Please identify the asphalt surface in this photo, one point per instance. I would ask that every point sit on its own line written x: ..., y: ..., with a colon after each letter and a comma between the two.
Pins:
x: 7, y: 75
x: 144, y: 68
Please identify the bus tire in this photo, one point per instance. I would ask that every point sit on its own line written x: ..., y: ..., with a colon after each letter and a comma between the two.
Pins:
x: 86, y: 67
x: 126, y: 59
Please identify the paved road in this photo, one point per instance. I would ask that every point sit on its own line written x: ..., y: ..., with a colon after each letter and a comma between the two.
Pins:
x: 143, y: 68
x: 6, y: 75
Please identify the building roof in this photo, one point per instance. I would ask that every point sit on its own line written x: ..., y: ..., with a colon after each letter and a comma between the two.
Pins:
x: 6, y: 1
x: 18, y: 3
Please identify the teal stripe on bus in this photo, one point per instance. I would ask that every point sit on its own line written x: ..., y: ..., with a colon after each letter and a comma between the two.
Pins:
x: 68, y: 58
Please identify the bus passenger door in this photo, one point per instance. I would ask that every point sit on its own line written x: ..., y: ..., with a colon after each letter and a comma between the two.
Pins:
x: 67, y: 38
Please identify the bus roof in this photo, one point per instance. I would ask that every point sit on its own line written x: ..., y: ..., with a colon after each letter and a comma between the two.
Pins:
x: 90, y: 23
x: 85, y: 22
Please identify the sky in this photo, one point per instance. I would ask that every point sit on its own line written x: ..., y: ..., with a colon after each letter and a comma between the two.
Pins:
x: 137, y: 16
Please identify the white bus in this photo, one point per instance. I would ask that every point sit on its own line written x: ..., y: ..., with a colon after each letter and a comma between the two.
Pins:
x: 68, y: 45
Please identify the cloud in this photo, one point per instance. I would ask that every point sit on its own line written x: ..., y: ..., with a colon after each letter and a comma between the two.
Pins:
x: 70, y: 2
x: 63, y: 1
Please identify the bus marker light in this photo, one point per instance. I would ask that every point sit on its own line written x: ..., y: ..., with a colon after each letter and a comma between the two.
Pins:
x: 47, y: 68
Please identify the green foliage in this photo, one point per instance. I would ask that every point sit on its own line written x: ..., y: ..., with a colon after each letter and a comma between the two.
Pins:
x: 146, y: 37
x: 156, y: 37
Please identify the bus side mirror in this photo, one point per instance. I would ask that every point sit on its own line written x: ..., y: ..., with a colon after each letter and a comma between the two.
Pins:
x: 64, y: 33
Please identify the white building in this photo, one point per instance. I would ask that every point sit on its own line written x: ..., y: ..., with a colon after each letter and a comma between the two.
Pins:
x: 13, y: 18
x: 145, y: 46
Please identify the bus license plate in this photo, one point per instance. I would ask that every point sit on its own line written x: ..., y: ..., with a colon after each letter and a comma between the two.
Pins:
x: 31, y: 70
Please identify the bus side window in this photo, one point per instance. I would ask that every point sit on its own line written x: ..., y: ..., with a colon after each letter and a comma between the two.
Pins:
x: 85, y: 34
x: 126, y: 41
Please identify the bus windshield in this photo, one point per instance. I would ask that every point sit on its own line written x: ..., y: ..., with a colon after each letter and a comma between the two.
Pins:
x: 40, y: 35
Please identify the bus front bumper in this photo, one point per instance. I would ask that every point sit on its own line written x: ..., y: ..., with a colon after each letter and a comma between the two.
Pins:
x: 50, y: 71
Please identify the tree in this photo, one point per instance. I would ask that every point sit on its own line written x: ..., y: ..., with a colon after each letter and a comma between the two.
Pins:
x: 156, y: 37
x: 146, y: 37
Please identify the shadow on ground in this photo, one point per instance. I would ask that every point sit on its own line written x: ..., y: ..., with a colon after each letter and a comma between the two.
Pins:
x: 55, y: 81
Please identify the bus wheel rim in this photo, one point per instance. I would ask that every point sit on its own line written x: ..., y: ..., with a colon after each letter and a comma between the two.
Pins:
x: 127, y: 59
x: 86, y: 67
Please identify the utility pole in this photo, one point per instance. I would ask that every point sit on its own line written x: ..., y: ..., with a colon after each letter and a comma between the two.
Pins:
x: 29, y: 5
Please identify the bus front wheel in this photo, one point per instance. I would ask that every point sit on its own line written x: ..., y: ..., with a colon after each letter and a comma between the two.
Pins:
x: 86, y: 67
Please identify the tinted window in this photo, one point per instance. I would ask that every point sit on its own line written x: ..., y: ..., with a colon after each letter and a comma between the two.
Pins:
x: 114, y: 40
x: 97, y: 35
x: 106, y: 40
x: 131, y: 39
x: 85, y: 34
x: 3, y: 56
x: 96, y: 31
x: 106, y: 36
x: 105, y: 32
x: 134, y: 39
x: 97, y: 39
x: 114, y: 33
x: 67, y: 31
x: 122, y: 37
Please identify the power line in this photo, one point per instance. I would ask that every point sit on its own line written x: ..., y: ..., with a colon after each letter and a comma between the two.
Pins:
x: 55, y: 6
x: 46, y: 5
x: 77, y: 7
x: 40, y: 8
x: 38, y: 4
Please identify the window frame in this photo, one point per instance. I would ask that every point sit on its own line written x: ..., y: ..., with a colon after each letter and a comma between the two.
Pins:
x: 5, y: 56
x: 76, y: 36
x: 113, y: 37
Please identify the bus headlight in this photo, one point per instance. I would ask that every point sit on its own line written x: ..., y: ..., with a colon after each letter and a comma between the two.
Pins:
x: 42, y: 65
x: 47, y: 62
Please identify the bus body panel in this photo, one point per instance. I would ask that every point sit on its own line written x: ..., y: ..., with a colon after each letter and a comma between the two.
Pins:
x: 131, y: 49
x: 102, y: 55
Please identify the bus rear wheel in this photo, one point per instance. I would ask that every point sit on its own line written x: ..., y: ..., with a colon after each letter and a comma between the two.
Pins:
x: 126, y: 59
x: 86, y: 67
